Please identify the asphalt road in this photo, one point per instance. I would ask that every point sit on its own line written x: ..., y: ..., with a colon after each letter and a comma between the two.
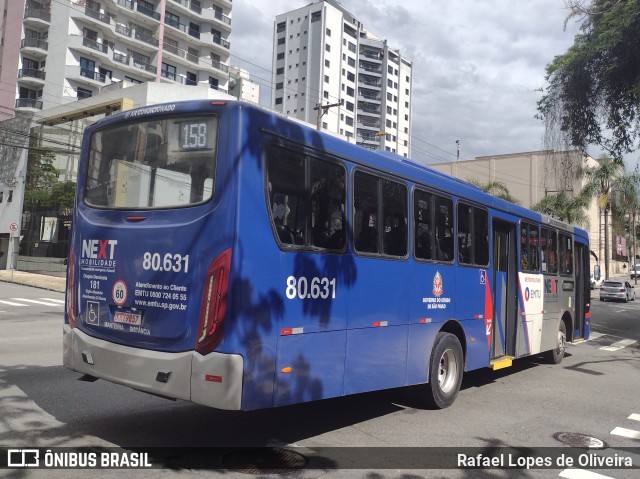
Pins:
x: 594, y: 391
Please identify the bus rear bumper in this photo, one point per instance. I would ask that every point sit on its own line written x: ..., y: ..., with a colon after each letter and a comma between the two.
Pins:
x: 214, y: 380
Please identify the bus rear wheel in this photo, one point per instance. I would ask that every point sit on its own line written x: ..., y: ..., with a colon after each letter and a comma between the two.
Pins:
x: 445, y: 371
x: 555, y: 355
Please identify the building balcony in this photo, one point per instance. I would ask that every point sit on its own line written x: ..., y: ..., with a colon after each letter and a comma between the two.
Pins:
x: 34, y: 47
x: 220, y: 19
x: 371, y: 68
x: 86, y: 76
x: 146, y: 68
x: 369, y: 95
x: 187, y: 32
x: 35, y: 16
x: 187, y: 6
x: 148, y: 12
x: 146, y: 39
x: 371, y: 82
x: 182, y: 54
x: 220, y: 67
x: 28, y: 104
x: 371, y: 54
x: 123, y: 30
x: 95, y: 14
x: 31, y: 77
x: 219, y: 44
x: 89, y: 46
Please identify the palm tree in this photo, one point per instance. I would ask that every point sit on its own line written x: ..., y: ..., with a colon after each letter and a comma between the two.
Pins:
x: 628, y: 208
x: 602, y: 181
x: 570, y: 209
x: 497, y: 189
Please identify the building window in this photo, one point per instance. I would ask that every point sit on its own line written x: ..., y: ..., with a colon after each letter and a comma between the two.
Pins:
x: 326, y: 78
x: 280, y: 56
x: 316, y: 16
x: 213, y: 83
x: 83, y: 93
x: 279, y: 86
x: 351, y: 62
x: 328, y: 31
x: 192, y: 78
x: 280, y: 71
x: 326, y: 95
x: 327, y: 47
x: 327, y: 63
x: 350, y: 106
x: 350, y: 91
x: 282, y: 26
x: 281, y: 41
x: 279, y: 101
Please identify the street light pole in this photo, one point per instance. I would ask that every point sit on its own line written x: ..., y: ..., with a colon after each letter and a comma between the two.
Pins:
x: 322, y: 110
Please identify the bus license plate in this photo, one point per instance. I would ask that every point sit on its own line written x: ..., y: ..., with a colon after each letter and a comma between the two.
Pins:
x: 126, y: 317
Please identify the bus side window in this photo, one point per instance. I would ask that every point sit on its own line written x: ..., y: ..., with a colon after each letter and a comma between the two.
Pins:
x: 328, y: 193
x: 287, y: 203
x: 394, y: 204
x: 365, y: 199
x: 423, y: 225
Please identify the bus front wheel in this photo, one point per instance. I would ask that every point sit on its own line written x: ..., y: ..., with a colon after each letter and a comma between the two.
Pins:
x: 445, y: 371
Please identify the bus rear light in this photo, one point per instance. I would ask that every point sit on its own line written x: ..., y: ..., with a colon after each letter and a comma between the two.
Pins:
x: 71, y: 289
x: 214, y: 303
x: 218, y: 103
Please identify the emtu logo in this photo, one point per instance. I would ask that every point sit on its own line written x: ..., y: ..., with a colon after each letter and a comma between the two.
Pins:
x: 98, y: 249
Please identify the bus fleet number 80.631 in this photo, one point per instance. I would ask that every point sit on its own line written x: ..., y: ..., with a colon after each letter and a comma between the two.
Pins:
x: 303, y: 288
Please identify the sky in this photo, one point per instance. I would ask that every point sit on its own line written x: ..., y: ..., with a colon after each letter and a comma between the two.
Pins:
x: 478, y: 65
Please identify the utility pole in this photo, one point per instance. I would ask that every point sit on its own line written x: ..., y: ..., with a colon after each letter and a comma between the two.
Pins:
x: 322, y: 110
x: 458, y: 150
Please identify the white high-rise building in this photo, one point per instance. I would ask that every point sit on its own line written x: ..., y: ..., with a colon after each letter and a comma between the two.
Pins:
x: 74, y: 49
x: 323, y: 55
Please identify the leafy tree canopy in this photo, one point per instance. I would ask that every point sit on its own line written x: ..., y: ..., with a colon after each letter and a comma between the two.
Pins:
x: 42, y: 185
x: 593, y: 92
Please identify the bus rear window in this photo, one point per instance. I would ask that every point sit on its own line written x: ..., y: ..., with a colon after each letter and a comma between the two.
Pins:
x: 158, y: 163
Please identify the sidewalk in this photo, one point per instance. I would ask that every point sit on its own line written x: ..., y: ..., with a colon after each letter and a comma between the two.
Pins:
x: 44, y: 281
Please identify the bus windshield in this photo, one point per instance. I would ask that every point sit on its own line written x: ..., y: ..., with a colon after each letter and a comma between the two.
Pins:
x: 159, y: 163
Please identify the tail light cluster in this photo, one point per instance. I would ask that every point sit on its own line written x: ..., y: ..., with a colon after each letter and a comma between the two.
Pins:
x: 214, y: 303
x: 71, y: 289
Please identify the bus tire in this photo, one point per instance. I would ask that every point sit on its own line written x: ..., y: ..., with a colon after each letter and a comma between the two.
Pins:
x: 555, y: 355
x: 445, y: 371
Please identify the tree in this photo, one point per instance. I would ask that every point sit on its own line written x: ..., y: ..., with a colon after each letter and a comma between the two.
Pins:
x: 593, y: 92
x: 602, y: 181
x: 571, y: 209
x: 42, y: 187
x: 497, y: 189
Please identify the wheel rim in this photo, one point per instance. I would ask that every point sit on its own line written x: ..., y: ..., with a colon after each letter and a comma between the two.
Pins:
x: 561, y: 343
x: 448, y: 371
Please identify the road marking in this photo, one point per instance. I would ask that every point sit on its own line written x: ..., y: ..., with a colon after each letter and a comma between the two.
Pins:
x: 582, y: 474
x: 635, y: 417
x: 619, y: 345
x: 61, y: 301
x: 10, y: 303
x: 624, y: 432
x: 35, y: 301
x: 595, y: 336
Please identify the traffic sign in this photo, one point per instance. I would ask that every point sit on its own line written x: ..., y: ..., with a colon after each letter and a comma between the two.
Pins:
x: 13, y: 227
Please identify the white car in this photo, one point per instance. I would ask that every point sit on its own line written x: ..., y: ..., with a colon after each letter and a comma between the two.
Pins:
x: 635, y: 271
x: 618, y: 290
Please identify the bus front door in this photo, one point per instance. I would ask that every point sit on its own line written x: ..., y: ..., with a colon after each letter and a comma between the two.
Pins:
x: 505, y: 278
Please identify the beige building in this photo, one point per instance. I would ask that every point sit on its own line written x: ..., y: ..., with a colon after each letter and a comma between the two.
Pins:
x: 531, y: 176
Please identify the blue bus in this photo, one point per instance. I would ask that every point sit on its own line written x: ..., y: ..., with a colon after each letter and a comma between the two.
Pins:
x: 226, y: 255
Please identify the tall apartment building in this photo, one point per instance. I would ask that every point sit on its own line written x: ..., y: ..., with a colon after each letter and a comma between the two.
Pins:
x: 65, y: 50
x: 323, y: 54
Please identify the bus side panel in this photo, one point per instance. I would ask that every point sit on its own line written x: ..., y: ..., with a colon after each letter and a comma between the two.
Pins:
x: 469, y: 299
x: 531, y: 326
x: 378, y: 315
x: 421, y: 338
x: 478, y: 355
x: 310, y: 367
x: 376, y: 358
